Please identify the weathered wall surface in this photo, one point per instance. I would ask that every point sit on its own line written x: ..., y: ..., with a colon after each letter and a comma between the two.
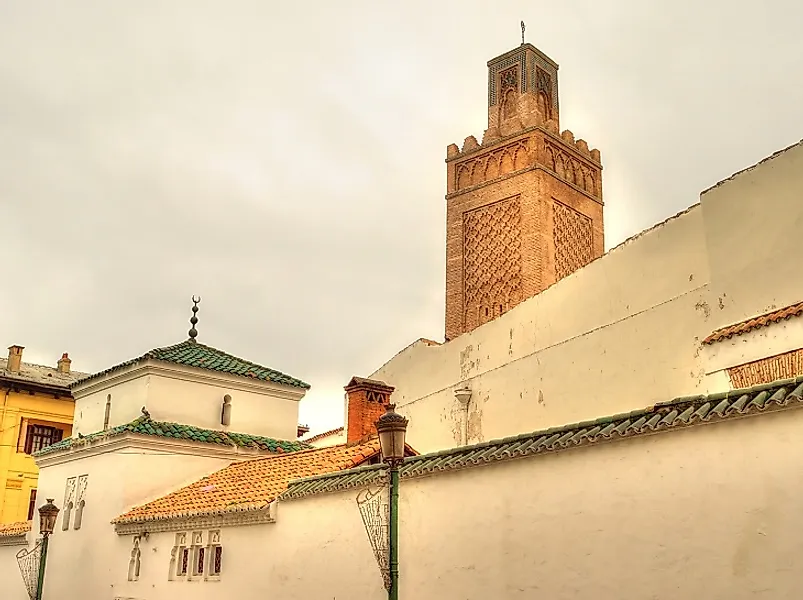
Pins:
x: 697, y: 513
x: 752, y: 226
x: 619, y: 334
x: 625, y: 331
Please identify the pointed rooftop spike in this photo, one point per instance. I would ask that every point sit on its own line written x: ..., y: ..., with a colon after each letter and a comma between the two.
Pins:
x: 194, y: 319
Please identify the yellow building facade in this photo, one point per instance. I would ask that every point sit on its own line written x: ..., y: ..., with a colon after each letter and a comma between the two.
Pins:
x: 36, y: 410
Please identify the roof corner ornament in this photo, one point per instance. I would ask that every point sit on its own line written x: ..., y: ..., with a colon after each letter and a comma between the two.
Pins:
x: 523, y: 27
x: 194, y: 319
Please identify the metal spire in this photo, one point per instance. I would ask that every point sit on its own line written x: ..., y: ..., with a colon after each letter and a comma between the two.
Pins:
x: 523, y: 27
x: 194, y: 319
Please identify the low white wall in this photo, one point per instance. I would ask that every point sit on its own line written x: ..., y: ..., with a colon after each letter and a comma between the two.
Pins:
x: 317, y: 550
x: 711, y: 511
x: 708, y: 512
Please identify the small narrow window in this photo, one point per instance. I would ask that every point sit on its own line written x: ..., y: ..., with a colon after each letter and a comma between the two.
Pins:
x: 217, y: 560
x: 183, y: 562
x: 179, y: 557
x: 214, y: 555
x: 32, y: 505
x: 198, y: 563
x: 108, y: 412
x: 486, y: 311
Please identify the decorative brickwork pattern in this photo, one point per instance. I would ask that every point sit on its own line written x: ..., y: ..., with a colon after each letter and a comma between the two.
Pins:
x: 504, y: 160
x: 492, y: 260
x: 509, y: 78
x: 491, y: 264
x: 570, y: 169
x: 494, y: 69
x: 767, y: 370
x: 573, y: 239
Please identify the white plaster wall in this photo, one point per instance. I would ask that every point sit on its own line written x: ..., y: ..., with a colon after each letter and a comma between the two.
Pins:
x: 710, y: 512
x: 621, y: 333
x: 178, y: 397
x: 706, y: 512
x: 128, y: 397
x: 83, y: 561
x: 200, y: 404
x: 317, y: 550
x: 752, y: 226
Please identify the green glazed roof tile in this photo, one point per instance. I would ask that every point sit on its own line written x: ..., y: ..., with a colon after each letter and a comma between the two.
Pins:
x: 145, y: 426
x: 193, y: 354
x: 673, y: 415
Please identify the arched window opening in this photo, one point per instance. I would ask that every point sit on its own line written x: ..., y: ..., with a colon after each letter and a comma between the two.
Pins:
x: 225, y: 415
x: 108, y: 412
x: 134, y: 562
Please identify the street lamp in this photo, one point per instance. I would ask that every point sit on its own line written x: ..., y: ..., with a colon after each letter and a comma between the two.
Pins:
x: 47, y: 523
x: 392, y: 428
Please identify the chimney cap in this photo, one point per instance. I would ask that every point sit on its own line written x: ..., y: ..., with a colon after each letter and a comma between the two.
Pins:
x: 16, y: 347
x: 363, y: 383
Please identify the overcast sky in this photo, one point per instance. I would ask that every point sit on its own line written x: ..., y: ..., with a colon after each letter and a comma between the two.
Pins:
x: 286, y: 160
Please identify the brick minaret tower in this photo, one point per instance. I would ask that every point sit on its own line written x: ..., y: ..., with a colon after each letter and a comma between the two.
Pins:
x: 524, y: 208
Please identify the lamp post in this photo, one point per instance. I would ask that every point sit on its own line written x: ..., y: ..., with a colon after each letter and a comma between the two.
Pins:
x: 47, y: 523
x: 392, y: 428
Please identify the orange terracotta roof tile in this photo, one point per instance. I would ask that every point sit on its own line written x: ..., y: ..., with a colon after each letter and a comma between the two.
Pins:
x: 15, y: 529
x: 795, y: 310
x: 252, y: 484
x: 323, y: 435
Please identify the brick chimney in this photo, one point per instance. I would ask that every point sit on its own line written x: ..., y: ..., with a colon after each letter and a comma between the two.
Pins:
x: 14, y: 358
x: 366, y: 401
x: 63, y: 365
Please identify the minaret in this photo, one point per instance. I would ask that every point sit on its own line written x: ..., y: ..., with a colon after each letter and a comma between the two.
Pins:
x: 524, y: 207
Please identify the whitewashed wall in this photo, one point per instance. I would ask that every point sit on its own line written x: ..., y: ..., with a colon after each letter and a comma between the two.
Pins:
x: 83, y: 560
x: 303, y: 555
x: 184, y: 395
x: 711, y: 511
x: 128, y: 397
x: 753, y: 224
x: 623, y: 332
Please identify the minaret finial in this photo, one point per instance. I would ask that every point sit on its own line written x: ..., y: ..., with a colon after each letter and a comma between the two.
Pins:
x: 194, y: 319
x: 523, y: 27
